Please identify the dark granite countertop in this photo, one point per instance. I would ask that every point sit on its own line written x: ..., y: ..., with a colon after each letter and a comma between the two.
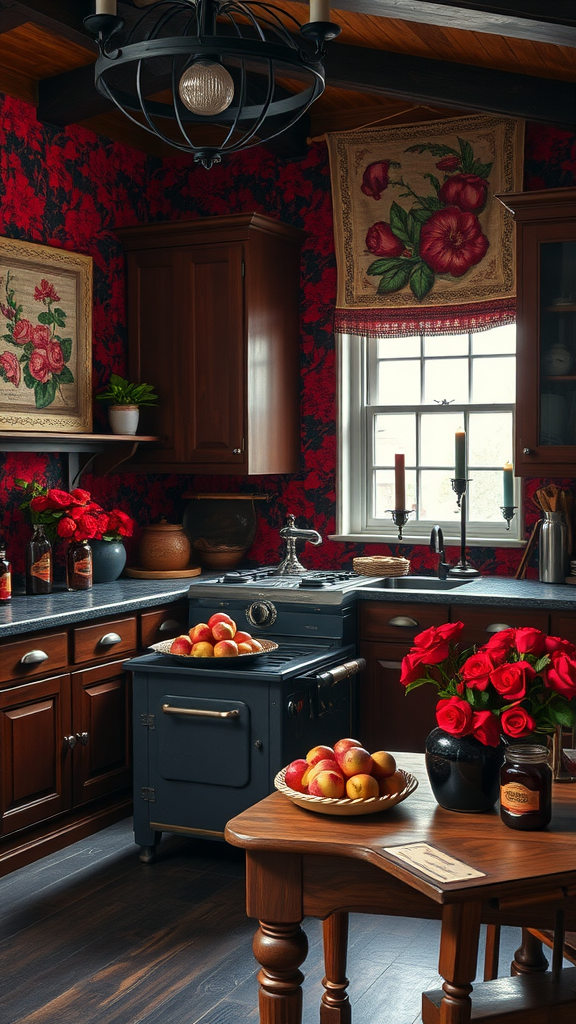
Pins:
x: 61, y: 608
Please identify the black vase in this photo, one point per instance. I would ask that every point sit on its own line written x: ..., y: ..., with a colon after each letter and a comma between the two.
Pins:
x: 464, y: 774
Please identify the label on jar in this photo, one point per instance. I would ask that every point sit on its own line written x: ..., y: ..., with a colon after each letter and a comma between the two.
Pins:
x: 6, y: 586
x: 42, y: 568
x: 83, y: 567
x: 518, y: 799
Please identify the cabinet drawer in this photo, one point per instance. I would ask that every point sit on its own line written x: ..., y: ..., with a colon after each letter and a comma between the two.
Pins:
x: 399, y: 622
x: 104, y: 638
x: 481, y: 623
x: 163, y: 623
x: 32, y: 657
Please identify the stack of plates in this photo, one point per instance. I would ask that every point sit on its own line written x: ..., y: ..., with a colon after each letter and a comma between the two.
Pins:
x: 381, y: 565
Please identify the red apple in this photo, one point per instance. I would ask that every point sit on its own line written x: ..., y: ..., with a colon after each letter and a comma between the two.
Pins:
x: 362, y: 787
x: 200, y: 633
x: 383, y: 764
x: 241, y: 637
x: 327, y: 783
x: 226, y: 649
x: 341, y: 745
x: 355, y: 761
x: 294, y: 774
x: 202, y: 650
x: 181, y: 645
x: 223, y: 630
x: 221, y: 617
x: 318, y: 753
x: 325, y: 765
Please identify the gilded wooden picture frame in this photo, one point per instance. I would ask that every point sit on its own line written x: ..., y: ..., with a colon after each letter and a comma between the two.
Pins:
x: 45, y: 339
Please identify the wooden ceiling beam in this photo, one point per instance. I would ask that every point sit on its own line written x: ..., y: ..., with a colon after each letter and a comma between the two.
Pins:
x: 61, y: 17
x: 9, y: 18
x: 538, y: 20
x: 460, y: 86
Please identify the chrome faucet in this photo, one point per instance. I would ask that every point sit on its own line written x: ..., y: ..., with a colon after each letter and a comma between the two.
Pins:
x: 437, y: 546
x: 291, y: 533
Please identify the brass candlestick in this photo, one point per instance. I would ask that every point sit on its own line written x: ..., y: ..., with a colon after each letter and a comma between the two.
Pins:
x: 462, y: 570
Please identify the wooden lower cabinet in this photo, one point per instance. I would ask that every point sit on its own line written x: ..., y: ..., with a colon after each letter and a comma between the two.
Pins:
x: 102, y: 730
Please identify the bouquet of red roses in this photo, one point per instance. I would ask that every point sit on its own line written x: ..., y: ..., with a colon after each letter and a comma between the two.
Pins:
x: 73, y: 515
x: 521, y: 681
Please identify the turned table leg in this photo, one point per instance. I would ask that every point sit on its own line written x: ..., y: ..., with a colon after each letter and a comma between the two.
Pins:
x: 280, y: 949
x: 458, y: 960
x: 529, y: 957
x: 335, y: 1006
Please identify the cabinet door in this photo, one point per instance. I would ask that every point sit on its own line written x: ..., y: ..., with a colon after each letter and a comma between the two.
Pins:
x: 101, y: 725
x: 481, y: 623
x: 35, y: 756
x: 389, y: 718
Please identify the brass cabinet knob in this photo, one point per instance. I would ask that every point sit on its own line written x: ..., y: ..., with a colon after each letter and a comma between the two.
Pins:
x: 526, y: 451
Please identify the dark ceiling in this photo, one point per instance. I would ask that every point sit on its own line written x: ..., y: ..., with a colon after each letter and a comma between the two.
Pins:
x: 395, y: 60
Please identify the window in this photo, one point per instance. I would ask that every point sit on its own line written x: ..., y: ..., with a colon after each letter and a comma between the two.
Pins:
x: 411, y: 395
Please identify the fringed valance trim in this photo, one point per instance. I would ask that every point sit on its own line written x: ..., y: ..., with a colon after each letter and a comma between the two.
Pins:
x: 404, y: 323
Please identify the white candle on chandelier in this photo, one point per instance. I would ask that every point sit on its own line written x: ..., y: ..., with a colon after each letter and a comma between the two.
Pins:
x: 106, y: 7
x: 319, y: 10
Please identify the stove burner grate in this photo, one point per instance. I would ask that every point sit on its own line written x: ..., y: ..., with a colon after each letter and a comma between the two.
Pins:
x: 313, y: 579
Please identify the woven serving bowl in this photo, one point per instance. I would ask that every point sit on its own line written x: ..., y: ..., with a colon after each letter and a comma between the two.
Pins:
x: 381, y: 565
x: 344, y: 806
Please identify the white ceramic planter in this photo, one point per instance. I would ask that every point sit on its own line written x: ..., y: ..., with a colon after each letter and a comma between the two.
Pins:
x: 123, y: 418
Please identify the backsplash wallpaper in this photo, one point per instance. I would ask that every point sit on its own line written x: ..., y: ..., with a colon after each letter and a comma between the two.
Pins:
x: 72, y: 189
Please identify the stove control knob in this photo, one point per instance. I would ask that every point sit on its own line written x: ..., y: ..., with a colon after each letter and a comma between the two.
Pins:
x: 261, y: 613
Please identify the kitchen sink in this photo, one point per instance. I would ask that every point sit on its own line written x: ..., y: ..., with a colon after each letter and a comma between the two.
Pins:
x: 417, y: 583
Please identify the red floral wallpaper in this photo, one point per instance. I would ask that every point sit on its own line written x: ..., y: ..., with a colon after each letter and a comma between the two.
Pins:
x: 72, y: 189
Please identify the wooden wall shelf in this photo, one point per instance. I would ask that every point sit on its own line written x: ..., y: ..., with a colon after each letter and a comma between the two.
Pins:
x: 105, y: 451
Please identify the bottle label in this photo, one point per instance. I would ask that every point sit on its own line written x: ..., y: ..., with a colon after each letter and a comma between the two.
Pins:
x: 519, y: 799
x: 83, y: 567
x: 42, y: 568
x: 6, y: 586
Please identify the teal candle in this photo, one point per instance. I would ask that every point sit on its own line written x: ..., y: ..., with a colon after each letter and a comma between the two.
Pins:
x: 508, y: 497
x: 460, y: 451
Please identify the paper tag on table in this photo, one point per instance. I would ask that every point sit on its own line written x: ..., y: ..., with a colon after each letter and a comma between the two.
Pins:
x: 433, y: 862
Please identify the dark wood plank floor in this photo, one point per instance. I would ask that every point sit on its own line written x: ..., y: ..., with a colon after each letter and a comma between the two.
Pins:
x: 90, y: 935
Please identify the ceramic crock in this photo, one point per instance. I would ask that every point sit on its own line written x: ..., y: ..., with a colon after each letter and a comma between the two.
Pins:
x: 464, y: 774
x: 164, y: 547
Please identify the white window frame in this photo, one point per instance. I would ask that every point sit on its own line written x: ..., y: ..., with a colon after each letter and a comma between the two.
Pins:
x: 353, y: 489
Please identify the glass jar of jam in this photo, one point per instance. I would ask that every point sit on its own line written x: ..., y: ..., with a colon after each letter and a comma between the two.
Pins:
x: 526, y: 787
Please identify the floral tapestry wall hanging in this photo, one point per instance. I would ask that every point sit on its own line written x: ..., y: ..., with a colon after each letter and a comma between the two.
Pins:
x: 422, y: 245
x: 45, y: 338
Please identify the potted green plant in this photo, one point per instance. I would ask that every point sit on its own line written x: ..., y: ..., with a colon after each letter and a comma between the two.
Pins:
x: 125, y: 400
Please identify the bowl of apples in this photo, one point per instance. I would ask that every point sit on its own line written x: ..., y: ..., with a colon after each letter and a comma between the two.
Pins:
x: 345, y: 779
x: 216, y: 644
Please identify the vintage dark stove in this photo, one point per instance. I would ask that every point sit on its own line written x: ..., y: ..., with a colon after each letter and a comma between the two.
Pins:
x: 193, y: 771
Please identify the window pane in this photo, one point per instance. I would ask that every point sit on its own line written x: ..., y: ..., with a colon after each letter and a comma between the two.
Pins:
x: 493, y: 380
x: 484, y: 497
x: 437, y: 438
x: 446, y: 345
x: 394, y: 434
x: 384, y: 492
x: 498, y: 339
x: 437, y: 499
x: 445, y: 380
x: 399, y: 382
x: 490, y: 438
x: 394, y: 348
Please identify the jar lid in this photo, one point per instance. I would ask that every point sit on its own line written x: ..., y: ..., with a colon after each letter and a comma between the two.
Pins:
x: 527, y: 753
x: 164, y: 526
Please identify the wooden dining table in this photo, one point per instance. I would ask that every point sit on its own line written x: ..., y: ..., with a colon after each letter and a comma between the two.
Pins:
x: 414, y: 860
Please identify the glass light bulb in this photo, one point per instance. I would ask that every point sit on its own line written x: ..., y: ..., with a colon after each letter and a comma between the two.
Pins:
x: 206, y: 88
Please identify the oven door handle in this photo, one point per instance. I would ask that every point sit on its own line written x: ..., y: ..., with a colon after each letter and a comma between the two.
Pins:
x: 197, y: 713
x: 348, y: 668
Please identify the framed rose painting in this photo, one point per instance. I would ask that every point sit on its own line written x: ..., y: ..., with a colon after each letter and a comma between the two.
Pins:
x: 45, y: 339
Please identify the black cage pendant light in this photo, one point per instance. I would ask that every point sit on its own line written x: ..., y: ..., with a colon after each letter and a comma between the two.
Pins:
x: 234, y: 67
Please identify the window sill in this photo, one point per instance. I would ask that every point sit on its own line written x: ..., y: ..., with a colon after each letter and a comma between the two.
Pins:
x: 410, y: 541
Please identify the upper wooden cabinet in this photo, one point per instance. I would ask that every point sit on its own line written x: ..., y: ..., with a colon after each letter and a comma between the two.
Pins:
x: 546, y: 328
x: 213, y: 324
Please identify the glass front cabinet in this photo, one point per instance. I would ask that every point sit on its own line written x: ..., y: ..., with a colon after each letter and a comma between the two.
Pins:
x: 546, y: 331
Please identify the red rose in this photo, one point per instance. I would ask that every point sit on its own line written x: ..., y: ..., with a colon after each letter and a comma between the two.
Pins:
x: 500, y: 643
x: 23, y: 332
x: 45, y: 291
x: 86, y: 525
x: 450, y: 630
x: 55, y: 356
x: 476, y: 670
x: 511, y: 679
x: 561, y: 674
x: 433, y: 644
x: 41, y: 336
x: 381, y: 240
x: 412, y: 668
x: 452, y: 241
x: 466, y: 191
x: 486, y: 728
x: 120, y: 522
x: 454, y: 716
x: 80, y: 496
x: 448, y: 163
x: 11, y: 368
x: 58, y: 498
x: 39, y: 365
x: 66, y: 527
x: 555, y: 643
x: 516, y: 721
x: 530, y: 641
x: 375, y: 179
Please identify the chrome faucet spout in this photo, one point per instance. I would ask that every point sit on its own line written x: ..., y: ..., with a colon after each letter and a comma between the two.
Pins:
x: 291, y: 533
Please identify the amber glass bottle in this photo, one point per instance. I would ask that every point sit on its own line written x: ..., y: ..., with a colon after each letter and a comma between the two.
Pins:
x: 526, y: 787
x: 5, y: 575
x: 39, y: 563
x: 79, y: 565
